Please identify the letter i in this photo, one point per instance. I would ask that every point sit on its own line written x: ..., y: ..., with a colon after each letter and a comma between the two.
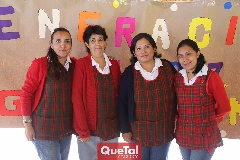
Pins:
x: 231, y: 30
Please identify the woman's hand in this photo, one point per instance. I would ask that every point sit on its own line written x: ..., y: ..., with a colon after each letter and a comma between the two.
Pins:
x: 127, y: 136
x: 29, y: 132
x: 84, y: 139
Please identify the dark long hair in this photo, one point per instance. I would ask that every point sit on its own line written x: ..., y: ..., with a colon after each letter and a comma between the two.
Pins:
x: 200, y: 60
x: 93, y: 29
x: 139, y: 36
x: 55, y: 68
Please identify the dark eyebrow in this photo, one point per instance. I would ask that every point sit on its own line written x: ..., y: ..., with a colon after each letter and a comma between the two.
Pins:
x: 181, y: 54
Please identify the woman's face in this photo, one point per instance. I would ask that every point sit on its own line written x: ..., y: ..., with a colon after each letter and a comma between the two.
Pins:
x: 61, y: 44
x: 187, y: 57
x: 144, y: 51
x: 96, y: 45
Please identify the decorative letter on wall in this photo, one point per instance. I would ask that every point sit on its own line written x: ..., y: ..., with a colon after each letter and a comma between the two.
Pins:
x: 235, y: 108
x: 163, y: 34
x: 207, y: 23
x: 231, y: 30
x: 126, y: 32
x: 7, y: 23
x: 44, y: 21
x: 216, y: 66
x: 4, y: 111
x: 81, y: 23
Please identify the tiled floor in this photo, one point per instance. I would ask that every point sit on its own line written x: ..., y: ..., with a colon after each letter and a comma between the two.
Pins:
x: 13, y: 146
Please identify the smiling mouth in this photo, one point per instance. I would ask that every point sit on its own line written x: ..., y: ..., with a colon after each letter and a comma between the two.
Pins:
x: 187, y: 64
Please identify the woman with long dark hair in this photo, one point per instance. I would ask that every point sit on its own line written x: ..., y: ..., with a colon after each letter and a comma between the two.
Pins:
x: 46, y: 99
x: 201, y: 100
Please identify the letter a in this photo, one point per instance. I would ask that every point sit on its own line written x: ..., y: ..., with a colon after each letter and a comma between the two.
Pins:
x: 163, y: 34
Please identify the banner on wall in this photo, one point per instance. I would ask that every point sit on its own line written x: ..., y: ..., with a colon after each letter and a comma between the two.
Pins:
x: 26, y: 26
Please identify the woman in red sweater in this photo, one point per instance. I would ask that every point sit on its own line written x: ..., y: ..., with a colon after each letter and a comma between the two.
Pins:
x: 201, y: 100
x: 46, y: 99
x: 94, y: 96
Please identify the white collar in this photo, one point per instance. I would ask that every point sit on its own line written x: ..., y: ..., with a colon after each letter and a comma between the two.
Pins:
x: 66, y: 65
x: 202, y: 72
x: 68, y: 60
x: 158, y: 63
x: 108, y: 63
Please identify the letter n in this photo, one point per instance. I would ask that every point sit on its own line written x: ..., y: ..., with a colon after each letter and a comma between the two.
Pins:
x: 44, y: 21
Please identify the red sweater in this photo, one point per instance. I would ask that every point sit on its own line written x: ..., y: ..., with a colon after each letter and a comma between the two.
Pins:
x: 33, y: 85
x: 84, y: 94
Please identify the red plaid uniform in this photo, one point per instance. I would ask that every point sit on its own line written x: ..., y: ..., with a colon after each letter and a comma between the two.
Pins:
x: 197, y: 128
x: 108, y: 126
x: 52, y: 119
x: 155, y: 108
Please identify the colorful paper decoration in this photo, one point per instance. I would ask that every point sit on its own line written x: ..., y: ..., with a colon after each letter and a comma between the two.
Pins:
x: 235, y: 109
x: 115, y: 4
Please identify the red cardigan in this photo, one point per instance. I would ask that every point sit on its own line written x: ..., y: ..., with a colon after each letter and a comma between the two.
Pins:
x: 84, y: 94
x: 33, y: 85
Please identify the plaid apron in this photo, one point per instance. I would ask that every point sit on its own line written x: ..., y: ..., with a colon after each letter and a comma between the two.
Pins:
x: 197, y: 128
x: 52, y: 119
x: 154, y: 108
x: 108, y: 126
